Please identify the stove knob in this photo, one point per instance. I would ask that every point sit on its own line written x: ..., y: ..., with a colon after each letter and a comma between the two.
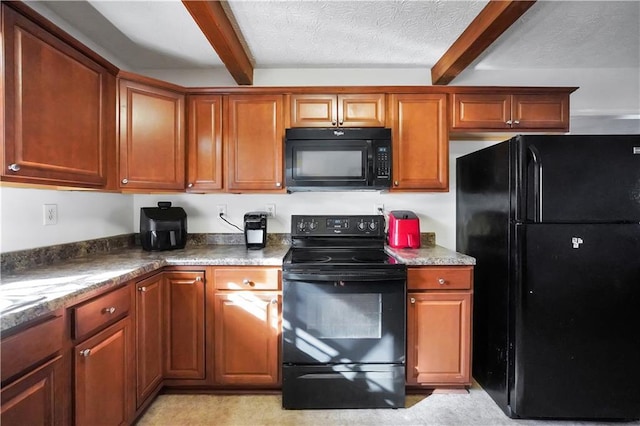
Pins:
x: 373, y: 225
x: 362, y: 226
x: 301, y: 225
x: 313, y: 225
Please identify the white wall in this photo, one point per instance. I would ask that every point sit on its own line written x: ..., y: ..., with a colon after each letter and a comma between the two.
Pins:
x: 82, y: 216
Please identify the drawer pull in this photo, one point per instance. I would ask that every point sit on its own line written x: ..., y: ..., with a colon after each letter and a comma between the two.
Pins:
x: 85, y: 352
x: 248, y: 282
x: 413, y: 300
x: 142, y: 289
x: 274, y: 301
x: 442, y: 281
x: 110, y: 310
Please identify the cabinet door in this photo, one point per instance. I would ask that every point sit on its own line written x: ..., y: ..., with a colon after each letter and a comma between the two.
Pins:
x: 253, y: 138
x: 102, y: 377
x: 439, y: 338
x: 472, y: 111
x: 184, y: 325
x: 247, y: 338
x: 149, y: 342
x: 313, y: 110
x: 204, y: 166
x: 356, y: 110
x: 59, y: 109
x: 541, y: 112
x: 420, y: 142
x: 30, y: 400
x: 151, y: 137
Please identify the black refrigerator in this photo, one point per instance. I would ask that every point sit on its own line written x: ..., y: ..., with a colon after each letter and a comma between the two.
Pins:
x: 554, y: 225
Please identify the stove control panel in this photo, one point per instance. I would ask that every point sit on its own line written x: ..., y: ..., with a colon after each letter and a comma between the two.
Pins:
x: 342, y: 226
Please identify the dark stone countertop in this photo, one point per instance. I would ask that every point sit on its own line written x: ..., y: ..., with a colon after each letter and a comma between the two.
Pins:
x: 46, y: 288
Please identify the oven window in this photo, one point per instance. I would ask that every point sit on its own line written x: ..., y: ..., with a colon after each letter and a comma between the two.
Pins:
x: 346, y: 316
x: 317, y: 164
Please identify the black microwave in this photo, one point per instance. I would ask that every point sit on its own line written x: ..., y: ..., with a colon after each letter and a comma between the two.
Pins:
x: 337, y: 159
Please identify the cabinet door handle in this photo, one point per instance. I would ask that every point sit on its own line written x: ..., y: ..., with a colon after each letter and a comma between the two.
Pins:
x: 14, y: 167
x: 412, y: 300
x: 278, y: 184
x: 142, y: 289
x: 516, y: 122
x: 442, y: 281
x: 274, y: 301
x: 395, y: 182
x: 125, y: 181
x: 333, y: 122
x: 190, y: 185
x: 248, y: 282
x: 85, y: 352
x: 341, y: 122
x: 110, y: 310
x: 197, y: 280
x: 509, y: 122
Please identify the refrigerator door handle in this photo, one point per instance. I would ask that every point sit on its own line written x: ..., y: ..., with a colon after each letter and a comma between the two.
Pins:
x: 537, y: 182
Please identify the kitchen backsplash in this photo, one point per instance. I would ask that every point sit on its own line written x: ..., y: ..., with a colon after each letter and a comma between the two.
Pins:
x: 25, y: 259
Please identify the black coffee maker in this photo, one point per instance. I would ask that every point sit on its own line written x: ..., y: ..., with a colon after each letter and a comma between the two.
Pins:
x: 255, y: 230
x: 163, y: 227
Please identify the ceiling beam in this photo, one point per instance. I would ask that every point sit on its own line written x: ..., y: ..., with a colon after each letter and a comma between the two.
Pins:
x: 491, y: 22
x: 216, y: 26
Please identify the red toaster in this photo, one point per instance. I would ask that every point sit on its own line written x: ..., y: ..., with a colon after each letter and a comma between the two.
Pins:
x: 404, y: 229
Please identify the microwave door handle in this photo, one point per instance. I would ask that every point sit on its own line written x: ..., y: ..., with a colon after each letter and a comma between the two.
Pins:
x: 372, y: 166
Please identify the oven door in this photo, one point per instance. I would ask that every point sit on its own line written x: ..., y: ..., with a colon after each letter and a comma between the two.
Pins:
x: 343, y: 322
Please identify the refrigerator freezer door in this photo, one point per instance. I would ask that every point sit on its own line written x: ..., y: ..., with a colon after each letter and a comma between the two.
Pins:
x: 577, y: 343
x: 573, y: 179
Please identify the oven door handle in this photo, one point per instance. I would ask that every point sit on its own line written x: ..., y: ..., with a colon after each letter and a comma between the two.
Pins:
x: 369, y: 275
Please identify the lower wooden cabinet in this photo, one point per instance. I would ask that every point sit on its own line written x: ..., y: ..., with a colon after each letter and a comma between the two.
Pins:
x: 149, y: 341
x: 103, y: 377
x: 184, y: 328
x: 32, y: 399
x: 439, y: 326
x: 247, y: 327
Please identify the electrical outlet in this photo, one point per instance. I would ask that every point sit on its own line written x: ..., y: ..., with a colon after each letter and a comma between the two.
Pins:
x: 221, y: 209
x: 378, y: 209
x: 50, y: 212
x: 270, y: 209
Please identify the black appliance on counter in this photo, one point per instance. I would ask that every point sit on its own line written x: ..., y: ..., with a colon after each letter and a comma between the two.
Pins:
x: 554, y: 225
x: 255, y: 230
x: 332, y: 159
x: 163, y: 227
x: 343, y: 315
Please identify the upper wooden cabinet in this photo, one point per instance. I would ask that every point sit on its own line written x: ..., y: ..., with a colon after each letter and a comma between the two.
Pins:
x: 204, y: 143
x: 59, y: 115
x: 346, y: 110
x: 253, y: 136
x: 506, y: 112
x: 151, y: 137
x: 420, y: 142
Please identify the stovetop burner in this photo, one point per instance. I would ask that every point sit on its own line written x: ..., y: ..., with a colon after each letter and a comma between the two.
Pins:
x: 357, y: 257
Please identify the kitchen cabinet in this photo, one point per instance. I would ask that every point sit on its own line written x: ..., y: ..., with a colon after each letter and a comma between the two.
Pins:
x: 507, y: 112
x: 253, y: 136
x: 204, y: 143
x: 345, y: 110
x: 184, y: 324
x: 151, y: 126
x: 420, y: 142
x: 247, y: 326
x: 103, y: 359
x: 439, y: 326
x: 149, y: 341
x: 33, y: 386
x: 59, y: 108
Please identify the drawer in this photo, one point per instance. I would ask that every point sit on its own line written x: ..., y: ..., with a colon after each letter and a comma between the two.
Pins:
x: 97, y: 313
x: 440, y: 278
x: 247, y: 279
x: 31, y: 346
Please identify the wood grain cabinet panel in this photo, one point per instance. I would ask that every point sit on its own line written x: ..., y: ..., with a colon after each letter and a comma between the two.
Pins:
x: 507, y: 112
x: 149, y: 341
x: 439, y: 326
x: 152, y: 153
x: 184, y: 331
x: 59, y: 116
x: 420, y: 142
x: 253, y: 135
x: 204, y: 143
x: 345, y: 110
x: 103, y: 376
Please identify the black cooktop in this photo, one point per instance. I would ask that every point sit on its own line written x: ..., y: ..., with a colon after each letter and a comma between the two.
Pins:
x: 339, y: 256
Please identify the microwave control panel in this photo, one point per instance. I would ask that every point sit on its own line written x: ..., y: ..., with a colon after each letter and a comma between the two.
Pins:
x: 383, y: 162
